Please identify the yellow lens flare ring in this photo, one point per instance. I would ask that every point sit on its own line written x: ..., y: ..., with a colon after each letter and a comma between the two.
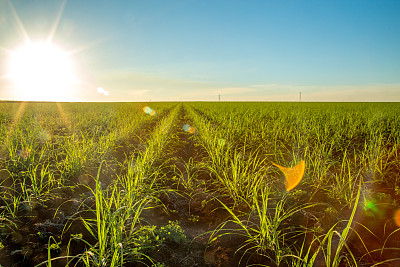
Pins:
x: 293, y: 174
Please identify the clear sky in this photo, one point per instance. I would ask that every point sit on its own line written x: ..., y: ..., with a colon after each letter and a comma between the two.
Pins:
x: 262, y: 50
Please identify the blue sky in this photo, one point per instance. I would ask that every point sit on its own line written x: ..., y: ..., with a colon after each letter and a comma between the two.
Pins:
x: 195, y: 50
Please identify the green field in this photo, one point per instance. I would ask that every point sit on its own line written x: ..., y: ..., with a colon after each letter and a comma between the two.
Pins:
x: 194, y: 184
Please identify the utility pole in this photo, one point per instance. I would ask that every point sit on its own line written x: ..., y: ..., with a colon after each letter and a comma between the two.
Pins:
x: 219, y: 98
x: 299, y: 96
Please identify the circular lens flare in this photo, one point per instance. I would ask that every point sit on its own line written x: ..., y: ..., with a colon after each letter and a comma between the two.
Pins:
x: 189, y: 129
x: 149, y: 110
x: 186, y: 127
x: 100, y: 90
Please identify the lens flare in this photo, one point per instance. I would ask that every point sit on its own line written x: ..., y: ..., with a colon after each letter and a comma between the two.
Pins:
x: 24, y: 153
x: 44, y: 136
x: 370, y: 206
x: 149, y: 110
x: 293, y: 174
x: 396, y: 217
x: 84, y: 179
x: 189, y: 129
x: 100, y: 90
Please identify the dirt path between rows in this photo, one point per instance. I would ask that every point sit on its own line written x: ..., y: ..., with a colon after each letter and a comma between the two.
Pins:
x: 193, y: 203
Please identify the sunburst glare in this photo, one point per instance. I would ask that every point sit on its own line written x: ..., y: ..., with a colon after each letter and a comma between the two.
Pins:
x: 41, y: 71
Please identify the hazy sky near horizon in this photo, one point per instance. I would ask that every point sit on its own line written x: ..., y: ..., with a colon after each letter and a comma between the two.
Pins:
x: 333, y: 50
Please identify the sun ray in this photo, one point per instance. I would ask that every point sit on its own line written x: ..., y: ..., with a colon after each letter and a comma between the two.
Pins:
x: 293, y: 174
x: 87, y: 46
x: 16, y: 118
x: 57, y: 21
x: 9, y: 52
x: 19, y: 113
x: 19, y: 22
x: 64, y: 117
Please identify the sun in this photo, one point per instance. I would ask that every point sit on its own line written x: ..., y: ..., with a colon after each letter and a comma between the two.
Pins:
x: 41, y: 71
